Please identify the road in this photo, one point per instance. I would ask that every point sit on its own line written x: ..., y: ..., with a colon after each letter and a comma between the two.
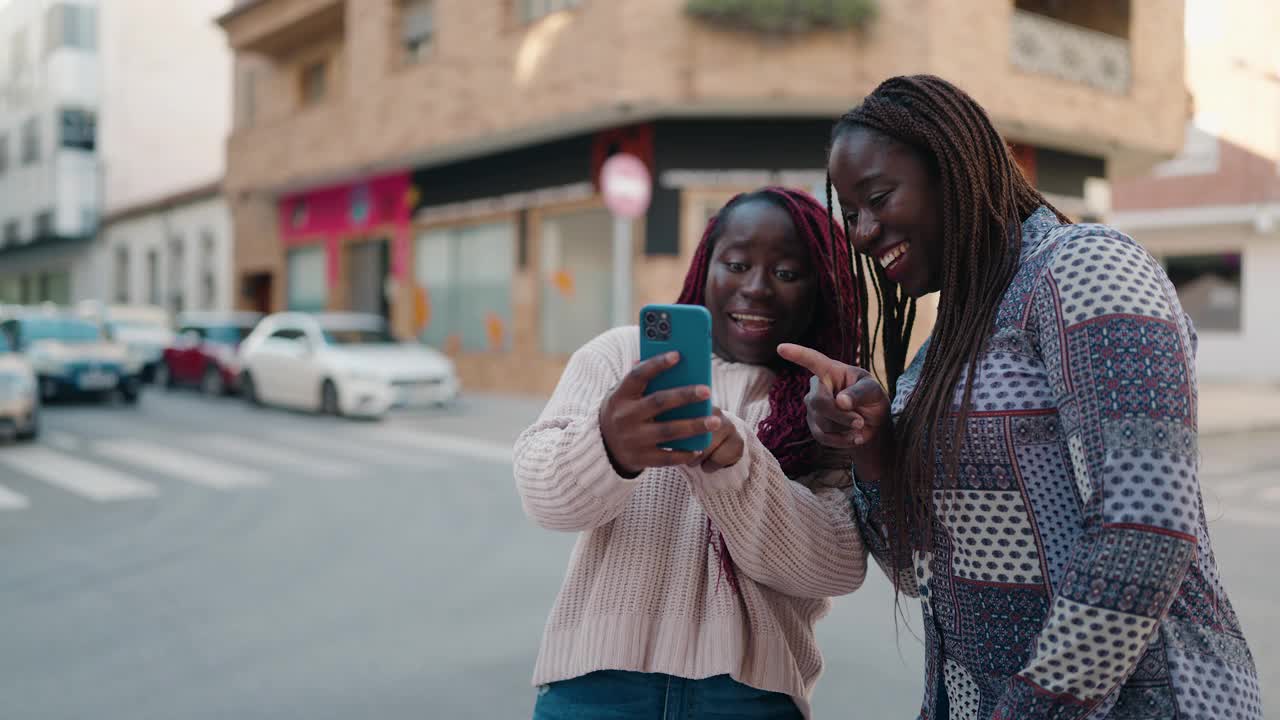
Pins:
x: 200, y: 559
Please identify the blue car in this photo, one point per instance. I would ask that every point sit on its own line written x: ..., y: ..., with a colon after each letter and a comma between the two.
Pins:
x: 72, y: 356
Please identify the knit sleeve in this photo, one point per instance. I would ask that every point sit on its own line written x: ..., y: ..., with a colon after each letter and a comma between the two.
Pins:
x: 1119, y: 356
x: 780, y: 533
x: 562, y: 471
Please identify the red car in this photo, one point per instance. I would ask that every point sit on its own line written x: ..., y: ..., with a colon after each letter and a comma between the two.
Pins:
x: 204, y: 352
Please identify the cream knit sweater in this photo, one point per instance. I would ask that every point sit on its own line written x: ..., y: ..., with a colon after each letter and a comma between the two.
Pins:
x: 644, y: 589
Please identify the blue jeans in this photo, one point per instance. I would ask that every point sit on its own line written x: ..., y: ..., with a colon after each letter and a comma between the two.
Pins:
x: 621, y: 695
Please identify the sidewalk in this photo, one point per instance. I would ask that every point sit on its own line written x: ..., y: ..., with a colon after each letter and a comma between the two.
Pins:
x: 1227, y: 409
x: 496, y: 420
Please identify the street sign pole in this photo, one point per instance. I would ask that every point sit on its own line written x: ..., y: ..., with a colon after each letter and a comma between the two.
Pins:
x: 627, y: 188
x: 622, y: 255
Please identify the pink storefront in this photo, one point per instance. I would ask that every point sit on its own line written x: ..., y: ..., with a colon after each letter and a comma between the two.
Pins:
x: 347, y: 246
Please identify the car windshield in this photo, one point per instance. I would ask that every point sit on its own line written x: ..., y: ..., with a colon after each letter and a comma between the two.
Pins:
x: 358, y: 336
x: 69, y: 330
x: 227, y: 334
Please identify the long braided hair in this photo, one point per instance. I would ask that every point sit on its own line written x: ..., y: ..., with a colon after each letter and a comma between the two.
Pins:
x: 834, y: 329
x: 985, y: 198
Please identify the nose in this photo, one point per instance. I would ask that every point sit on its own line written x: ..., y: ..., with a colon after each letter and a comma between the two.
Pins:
x: 866, y: 231
x: 756, y: 285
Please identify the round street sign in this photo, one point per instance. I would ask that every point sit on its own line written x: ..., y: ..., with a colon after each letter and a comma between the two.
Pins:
x: 626, y: 185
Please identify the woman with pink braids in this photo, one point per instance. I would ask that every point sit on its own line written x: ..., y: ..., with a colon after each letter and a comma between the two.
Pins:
x: 697, y: 578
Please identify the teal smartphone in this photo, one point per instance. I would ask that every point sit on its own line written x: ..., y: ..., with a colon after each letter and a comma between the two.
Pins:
x: 685, y: 329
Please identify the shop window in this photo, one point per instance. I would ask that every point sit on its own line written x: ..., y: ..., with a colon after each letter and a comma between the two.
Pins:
x: 417, y: 29
x: 1209, y: 289
x: 467, y: 274
x: 305, y: 281
x: 55, y: 287
x: 576, y: 278
x: 10, y: 290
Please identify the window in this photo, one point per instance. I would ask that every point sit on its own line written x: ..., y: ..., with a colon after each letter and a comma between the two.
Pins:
x: 70, y: 25
x: 248, y: 96
x: 153, y: 277
x: 314, y: 82
x: 417, y: 27
x: 31, y: 141
x: 467, y: 273
x: 78, y: 129
x: 18, y: 58
x: 177, y: 274
x: 306, y: 280
x: 55, y: 287
x: 4, y: 153
x: 576, y: 280
x: 1209, y: 289
x: 122, y: 275
x: 44, y: 224
x: 531, y: 10
x: 287, y: 334
x: 208, y: 263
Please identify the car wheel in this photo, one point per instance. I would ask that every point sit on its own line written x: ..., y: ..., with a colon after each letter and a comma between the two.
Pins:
x: 329, y: 399
x: 33, y: 430
x: 162, y: 377
x: 248, y: 390
x: 212, y: 383
x: 130, y: 391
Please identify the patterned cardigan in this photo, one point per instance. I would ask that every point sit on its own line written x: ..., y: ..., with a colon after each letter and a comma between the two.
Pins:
x: 1070, y: 574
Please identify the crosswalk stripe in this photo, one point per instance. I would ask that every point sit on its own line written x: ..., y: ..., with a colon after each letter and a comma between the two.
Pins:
x: 253, y: 450
x: 485, y: 450
x: 346, y: 448
x: 10, y: 500
x: 195, y: 469
x: 87, y: 479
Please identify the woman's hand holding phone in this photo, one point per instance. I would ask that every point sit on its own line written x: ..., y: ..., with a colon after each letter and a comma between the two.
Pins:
x: 632, y: 435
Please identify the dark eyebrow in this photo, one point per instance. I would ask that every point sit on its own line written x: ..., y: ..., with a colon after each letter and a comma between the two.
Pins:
x: 868, y: 179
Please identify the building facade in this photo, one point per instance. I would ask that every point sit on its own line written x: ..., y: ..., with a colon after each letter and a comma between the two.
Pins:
x: 103, y: 107
x: 50, y: 169
x: 437, y: 160
x: 173, y: 252
x: 1212, y: 214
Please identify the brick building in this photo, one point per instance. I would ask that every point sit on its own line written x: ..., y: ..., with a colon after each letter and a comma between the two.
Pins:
x: 437, y: 160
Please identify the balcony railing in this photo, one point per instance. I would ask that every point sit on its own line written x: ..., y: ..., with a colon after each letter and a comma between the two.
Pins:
x: 1068, y: 52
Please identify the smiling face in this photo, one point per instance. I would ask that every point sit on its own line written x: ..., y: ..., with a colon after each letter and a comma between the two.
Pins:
x: 761, y: 285
x: 890, y: 198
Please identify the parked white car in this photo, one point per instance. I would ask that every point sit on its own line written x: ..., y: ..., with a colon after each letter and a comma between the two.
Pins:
x: 341, y: 364
x: 19, y: 394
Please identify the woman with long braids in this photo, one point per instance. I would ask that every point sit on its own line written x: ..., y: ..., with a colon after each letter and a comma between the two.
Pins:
x: 697, y: 579
x: 1031, y: 474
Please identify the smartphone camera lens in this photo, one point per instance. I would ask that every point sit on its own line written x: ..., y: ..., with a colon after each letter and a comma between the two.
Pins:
x: 664, y: 327
x: 650, y: 317
x: 651, y: 333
